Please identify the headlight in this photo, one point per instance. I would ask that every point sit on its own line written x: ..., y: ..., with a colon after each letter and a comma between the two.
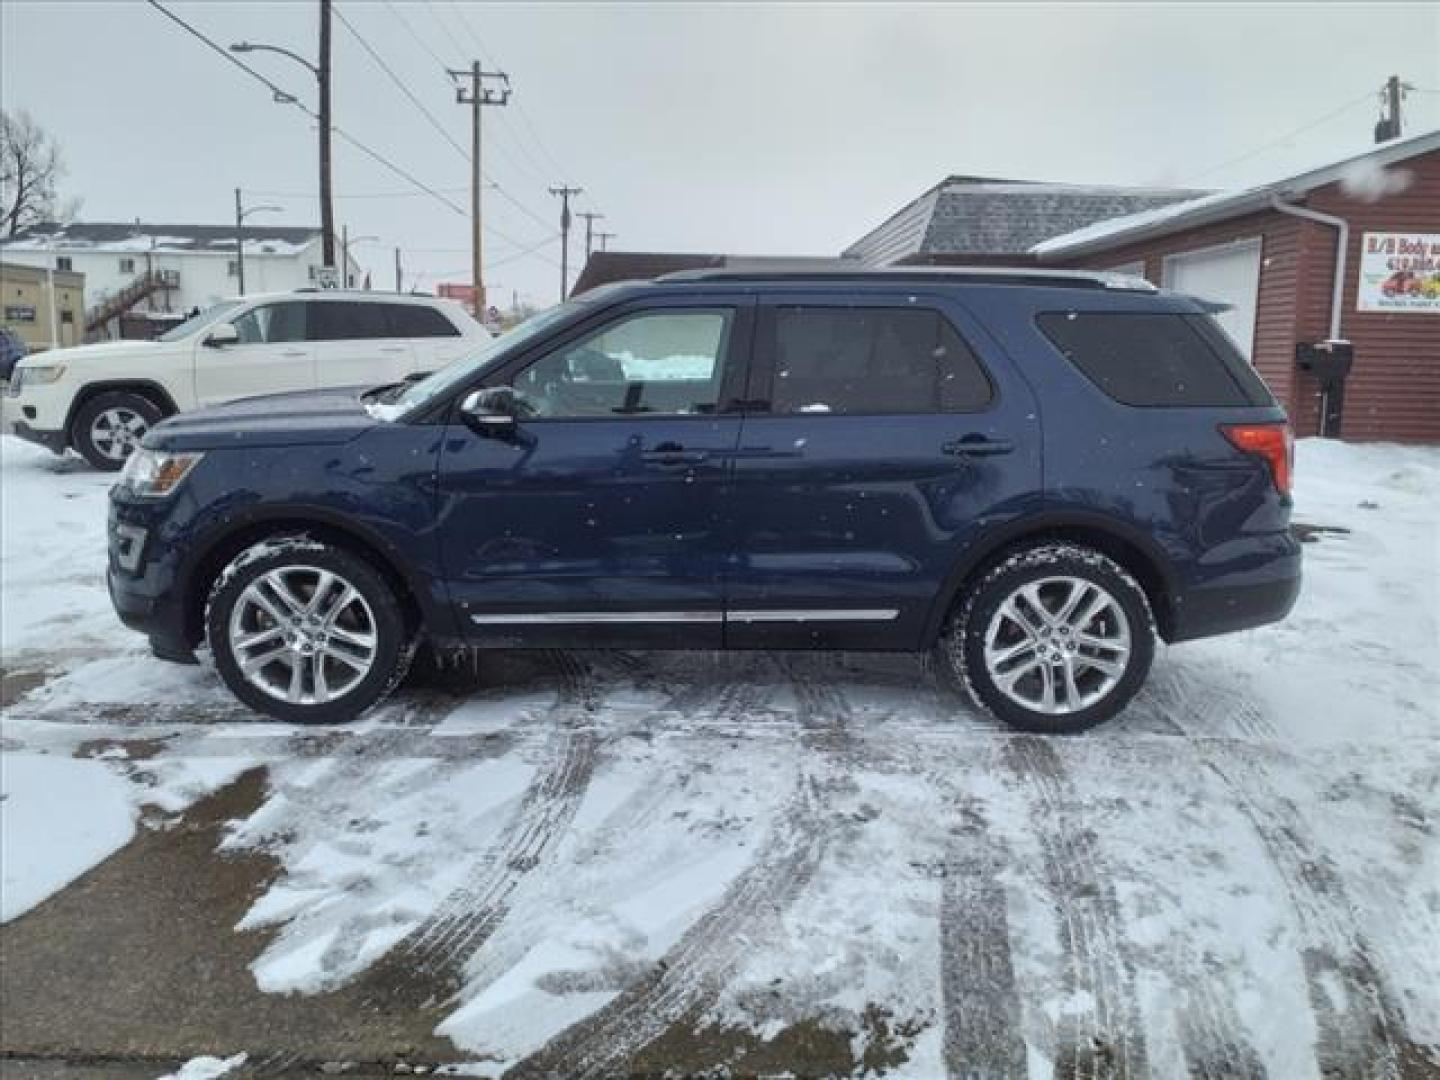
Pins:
x: 38, y: 376
x: 151, y: 474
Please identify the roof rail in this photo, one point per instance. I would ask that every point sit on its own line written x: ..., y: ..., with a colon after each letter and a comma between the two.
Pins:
x: 950, y: 275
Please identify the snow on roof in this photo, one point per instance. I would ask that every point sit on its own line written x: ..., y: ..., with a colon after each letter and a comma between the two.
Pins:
x: 1364, y: 176
x: 138, y: 237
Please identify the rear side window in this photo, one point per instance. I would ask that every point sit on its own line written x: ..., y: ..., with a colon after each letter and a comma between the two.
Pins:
x: 340, y: 320
x: 416, y: 321
x: 871, y: 360
x: 1154, y: 358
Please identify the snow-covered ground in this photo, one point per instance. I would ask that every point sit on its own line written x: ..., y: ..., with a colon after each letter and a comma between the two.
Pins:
x: 824, y: 862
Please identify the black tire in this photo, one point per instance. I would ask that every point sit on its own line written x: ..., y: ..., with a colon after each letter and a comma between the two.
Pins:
x: 963, y: 646
x: 109, y: 456
x: 383, y: 618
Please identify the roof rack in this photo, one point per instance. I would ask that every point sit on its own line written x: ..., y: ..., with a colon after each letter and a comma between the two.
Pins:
x: 951, y: 275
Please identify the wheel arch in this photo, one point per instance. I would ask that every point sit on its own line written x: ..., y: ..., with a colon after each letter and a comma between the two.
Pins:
x: 146, y: 388
x: 1136, y: 552
x: 221, y: 546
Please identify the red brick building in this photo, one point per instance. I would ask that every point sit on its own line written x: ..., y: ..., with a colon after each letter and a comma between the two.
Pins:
x: 1264, y: 251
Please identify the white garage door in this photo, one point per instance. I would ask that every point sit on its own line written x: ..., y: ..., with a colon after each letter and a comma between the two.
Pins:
x: 1229, y: 274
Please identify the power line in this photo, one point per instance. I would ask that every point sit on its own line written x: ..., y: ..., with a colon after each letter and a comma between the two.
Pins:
x: 1367, y: 96
x: 355, y: 195
x: 286, y: 98
x: 400, y: 83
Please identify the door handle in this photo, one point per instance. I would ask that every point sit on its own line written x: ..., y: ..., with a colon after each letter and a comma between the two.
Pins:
x: 671, y: 453
x: 977, y: 446
x: 393, y: 349
x: 294, y: 352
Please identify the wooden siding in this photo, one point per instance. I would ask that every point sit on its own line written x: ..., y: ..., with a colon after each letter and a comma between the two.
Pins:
x: 1393, y: 393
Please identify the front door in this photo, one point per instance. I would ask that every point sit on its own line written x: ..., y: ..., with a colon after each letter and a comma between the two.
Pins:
x: 891, y: 438
x: 271, y: 357
x: 607, y: 508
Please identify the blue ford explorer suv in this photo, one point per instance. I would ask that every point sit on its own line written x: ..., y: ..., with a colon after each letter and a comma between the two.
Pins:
x: 1033, y: 474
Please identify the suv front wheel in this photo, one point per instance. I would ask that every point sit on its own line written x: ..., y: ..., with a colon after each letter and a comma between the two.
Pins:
x: 1055, y: 638
x: 307, y: 632
x: 107, y: 428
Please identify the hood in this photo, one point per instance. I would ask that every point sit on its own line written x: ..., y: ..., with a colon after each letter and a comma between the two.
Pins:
x: 99, y: 352
x: 305, y: 418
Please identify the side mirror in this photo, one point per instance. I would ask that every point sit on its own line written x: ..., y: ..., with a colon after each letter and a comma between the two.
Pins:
x: 222, y: 334
x: 492, y: 412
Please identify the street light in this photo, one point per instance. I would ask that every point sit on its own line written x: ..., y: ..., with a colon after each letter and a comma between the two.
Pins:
x: 345, y: 243
x: 240, y: 215
x: 321, y: 71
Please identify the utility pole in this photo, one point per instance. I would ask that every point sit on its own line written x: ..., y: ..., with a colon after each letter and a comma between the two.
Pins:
x: 327, y: 208
x: 397, y: 271
x: 477, y: 95
x: 565, y: 192
x: 603, y: 237
x: 589, y: 217
x: 1391, y: 95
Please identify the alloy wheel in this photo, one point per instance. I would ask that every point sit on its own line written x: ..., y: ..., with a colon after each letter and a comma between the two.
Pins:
x: 303, y: 635
x: 116, y: 432
x: 1057, y: 645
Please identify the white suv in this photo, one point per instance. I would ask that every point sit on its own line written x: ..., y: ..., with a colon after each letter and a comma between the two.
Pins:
x: 102, y: 398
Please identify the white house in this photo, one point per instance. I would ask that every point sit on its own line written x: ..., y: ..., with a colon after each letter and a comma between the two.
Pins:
x: 169, y: 269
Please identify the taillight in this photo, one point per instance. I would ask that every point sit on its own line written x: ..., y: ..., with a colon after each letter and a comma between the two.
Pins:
x: 1273, y: 442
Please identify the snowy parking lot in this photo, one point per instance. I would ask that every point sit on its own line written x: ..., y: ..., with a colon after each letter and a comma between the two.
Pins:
x: 593, y: 864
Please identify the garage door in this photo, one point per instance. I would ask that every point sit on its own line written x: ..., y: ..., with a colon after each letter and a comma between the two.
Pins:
x: 1230, y: 275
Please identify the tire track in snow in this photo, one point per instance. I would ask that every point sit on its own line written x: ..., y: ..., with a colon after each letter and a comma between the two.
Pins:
x: 1360, y: 1029
x: 1210, y: 1032
x: 980, y: 1000
x: 1105, y: 1039
x: 694, y: 972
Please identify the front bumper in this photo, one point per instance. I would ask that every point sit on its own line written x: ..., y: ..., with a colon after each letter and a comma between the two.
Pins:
x: 54, y: 441
x: 143, y: 582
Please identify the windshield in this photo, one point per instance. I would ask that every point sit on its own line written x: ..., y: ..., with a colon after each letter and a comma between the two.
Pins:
x: 421, y: 393
x: 199, y: 321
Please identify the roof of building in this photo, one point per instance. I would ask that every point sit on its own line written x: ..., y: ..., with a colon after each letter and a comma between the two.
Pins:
x: 1362, y: 174
x: 140, y: 237
x: 21, y: 272
x: 604, y: 267
x: 974, y: 215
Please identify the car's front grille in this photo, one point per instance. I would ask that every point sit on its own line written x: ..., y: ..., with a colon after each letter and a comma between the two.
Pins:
x: 127, y: 544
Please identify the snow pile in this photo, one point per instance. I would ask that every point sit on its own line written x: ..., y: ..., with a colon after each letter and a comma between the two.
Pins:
x: 58, y: 818
x: 1369, y: 181
x: 206, y: 1068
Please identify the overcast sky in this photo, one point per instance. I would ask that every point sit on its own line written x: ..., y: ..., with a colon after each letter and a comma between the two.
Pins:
x: 692, y: 127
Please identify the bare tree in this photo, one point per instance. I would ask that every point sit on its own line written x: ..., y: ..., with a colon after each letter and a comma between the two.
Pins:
x: 30, y: 169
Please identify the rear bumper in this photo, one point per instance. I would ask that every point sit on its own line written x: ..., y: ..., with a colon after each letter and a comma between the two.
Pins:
x: 1225, y: 609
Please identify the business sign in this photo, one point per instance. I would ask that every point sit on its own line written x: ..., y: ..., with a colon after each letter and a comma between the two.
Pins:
x: 20, y: 313
x: 1399, y: 272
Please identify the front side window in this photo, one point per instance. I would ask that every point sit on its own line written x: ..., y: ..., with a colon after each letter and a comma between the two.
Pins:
x: 666, y: 362
x: 871, y: 360
x: 343, y: 320
x: 270, y: 324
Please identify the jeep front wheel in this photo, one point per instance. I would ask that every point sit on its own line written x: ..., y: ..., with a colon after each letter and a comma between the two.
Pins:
x: 107, y: 428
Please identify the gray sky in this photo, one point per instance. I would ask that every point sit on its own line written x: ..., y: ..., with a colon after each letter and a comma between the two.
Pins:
x: 755, y: 129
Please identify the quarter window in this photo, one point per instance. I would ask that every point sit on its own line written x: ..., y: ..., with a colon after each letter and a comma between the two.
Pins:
x: 418, y: 321
x: 871, y: 360
x: 1155, y: 359
x: 271, y: 323
x: 660, y: 362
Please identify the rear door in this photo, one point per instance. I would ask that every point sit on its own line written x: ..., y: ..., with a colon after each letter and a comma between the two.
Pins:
x: 884, y: 433
x: 604, y: 519
x: 356, y: 344
x: 272, y: 356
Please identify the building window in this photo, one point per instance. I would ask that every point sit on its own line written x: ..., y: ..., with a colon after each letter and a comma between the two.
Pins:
x: 62, y: 262
x: 67, y: 317
x: 314, y: 272
x: 233, y: 268
x: 127, y: 266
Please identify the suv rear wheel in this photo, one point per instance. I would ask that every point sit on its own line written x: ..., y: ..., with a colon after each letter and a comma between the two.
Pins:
x: 1056, y: 638
x: 107, y: 428
x: 307, y: 632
